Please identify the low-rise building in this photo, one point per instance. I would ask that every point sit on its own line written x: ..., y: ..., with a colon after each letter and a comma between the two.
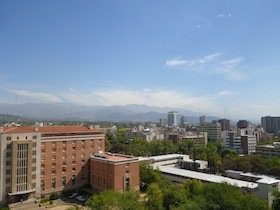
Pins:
x: 269, y: 151
x: 114, y: 171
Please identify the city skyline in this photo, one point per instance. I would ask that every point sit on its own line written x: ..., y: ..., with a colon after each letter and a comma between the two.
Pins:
x: 216, y: 58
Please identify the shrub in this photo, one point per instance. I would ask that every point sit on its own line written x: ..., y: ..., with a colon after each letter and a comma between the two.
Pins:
x: 54, y: 196
x: 45, y: 200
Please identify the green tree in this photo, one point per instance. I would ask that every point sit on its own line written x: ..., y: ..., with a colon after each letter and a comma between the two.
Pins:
x: 155, y: 197
x: 148, y: 176
x: 276, y: 200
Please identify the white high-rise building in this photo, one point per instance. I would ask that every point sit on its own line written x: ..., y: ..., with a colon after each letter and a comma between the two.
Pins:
x: 172, y: 119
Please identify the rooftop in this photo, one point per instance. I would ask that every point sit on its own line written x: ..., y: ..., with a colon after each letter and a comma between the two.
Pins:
x: 48, y: 129
x: 113, y: 157
x: 206, y: 177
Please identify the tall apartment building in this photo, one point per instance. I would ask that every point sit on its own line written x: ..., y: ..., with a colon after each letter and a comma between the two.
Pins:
x: 271, y: 124
x: 203, y: 119
x: 114, y: 171
x: 172, y: 119
x: 38, y: 161
x: 213, y: 131
x: 225, y: 124
x: 242, y: 124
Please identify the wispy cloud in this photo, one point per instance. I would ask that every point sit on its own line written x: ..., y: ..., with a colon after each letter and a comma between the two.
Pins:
x: 225, y: 15
x: 229, y: 68
x: 210, y: 65
x: 47, y: 97
x: 177, y: 61
x: 225, y: 93
x: 152, y: 97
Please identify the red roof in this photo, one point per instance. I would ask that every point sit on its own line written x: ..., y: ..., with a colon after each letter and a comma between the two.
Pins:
x: 49, y: 129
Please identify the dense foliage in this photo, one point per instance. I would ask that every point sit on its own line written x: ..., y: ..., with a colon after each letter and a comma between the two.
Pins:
x: 219, y: 158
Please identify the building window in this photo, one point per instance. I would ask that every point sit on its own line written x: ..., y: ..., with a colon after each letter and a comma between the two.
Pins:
x: 64, y: 169
x: 73, y: 148
x: 42, y: 173
x: 83, y: 147
x: 9, y: 138
x: 73, y: 155
x: 53, y: 172
x: 83, y: 141
x: 9, y: 146
x: 64, y: 149
x: 73, y: 162
x: 64, y: 143
x: 53, y: 165
x: 91, y: 141
x: 8, y: 189
x: 42, y: 184
x: 53, y: 144
x: 43, y: 158
x: 43, y: 151
x: 73, y: 142
x: 63, y: 156
x: 8, y: 154
x: 53, y: 150
x: 34, y: 144
x: 43, y: 143
x: 34, y: 152
x: 64, y: 163
x: 53, y: 183
x: 42, y: 166
x: 8, y: 180
x: 34, y: 168
x: 83, y: 161
x: 33, y: 185
x: 33, y: 160
x: 34, y: 137
x: 83, y: 155
x: 91, y: 146
x: 8, y: 163
x: 64, y: 181
x: 73, y: 179
x: 33, y: 176
x: 53, y: 157
x: 8, y: 171
x: 73, y: 169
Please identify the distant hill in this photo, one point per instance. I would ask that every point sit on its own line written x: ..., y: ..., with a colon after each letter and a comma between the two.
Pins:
x: 62, y: 111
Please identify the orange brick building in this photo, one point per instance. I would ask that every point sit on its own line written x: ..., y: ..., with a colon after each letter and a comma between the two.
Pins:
x: 38, y: 161
x: 114, y: 171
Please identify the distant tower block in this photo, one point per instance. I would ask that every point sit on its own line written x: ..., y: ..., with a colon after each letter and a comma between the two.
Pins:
x: 172, y: 119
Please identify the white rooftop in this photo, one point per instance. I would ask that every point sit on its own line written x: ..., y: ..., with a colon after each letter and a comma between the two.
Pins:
x: 207, y: 177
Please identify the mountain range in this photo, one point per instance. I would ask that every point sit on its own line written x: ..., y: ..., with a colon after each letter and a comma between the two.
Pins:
x: 66, y: 111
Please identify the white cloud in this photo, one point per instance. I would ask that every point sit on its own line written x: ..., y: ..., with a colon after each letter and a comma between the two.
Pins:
x: 225, y: 15
x: 151, y: 97
x: 225, y: 93
x: 38, y: 95
x: 210, y: 65
x: 187, y: 63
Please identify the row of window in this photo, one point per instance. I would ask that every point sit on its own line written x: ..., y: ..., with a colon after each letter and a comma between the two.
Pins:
x: 9, y: 138
x: 63, y: 163
x: 43, y: 158
x: 63, y: 181
x: 64, y: 142
x: 54, y: 171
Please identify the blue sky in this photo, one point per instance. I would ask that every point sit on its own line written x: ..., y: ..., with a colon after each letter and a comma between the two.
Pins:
x: 215, y: 57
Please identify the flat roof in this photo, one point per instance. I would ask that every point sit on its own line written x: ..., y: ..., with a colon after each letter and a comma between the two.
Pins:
x: 206, y: 177
x: 113, y: 156
x: 163, y: 157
